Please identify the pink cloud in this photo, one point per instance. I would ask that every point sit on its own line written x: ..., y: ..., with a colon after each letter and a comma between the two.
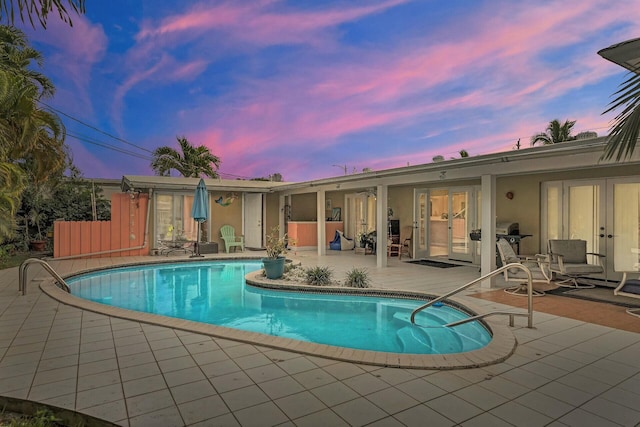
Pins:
x: 499, y: 59
x: 258, y: 22
x: 76, y: 50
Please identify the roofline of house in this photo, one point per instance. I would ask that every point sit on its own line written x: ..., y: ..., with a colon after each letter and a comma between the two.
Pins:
x: 583, y: 154
x: 142, y: 182
x: 586, y: 146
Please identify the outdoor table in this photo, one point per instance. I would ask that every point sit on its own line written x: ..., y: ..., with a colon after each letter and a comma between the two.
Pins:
x: 170, y: 246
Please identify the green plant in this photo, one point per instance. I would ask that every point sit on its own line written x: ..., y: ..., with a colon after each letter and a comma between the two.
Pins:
x: 358, y: 278
x: 37, y: 219
x: 319, y: 276
x: 276, y: 245
x: 42, y: 418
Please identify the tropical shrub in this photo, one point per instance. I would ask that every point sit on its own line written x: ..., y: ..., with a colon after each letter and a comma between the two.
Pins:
x: 319, y: 276
x: 358, y: 278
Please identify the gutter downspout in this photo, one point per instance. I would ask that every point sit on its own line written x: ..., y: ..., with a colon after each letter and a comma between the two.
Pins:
x: 112, y: 251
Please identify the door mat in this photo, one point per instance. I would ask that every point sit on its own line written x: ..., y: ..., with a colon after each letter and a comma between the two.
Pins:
x: 430, y: 263
x: 597, y: 294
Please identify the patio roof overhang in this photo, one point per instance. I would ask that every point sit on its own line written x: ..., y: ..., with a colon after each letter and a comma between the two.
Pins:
x: 575, y: 155
x: 168, y: 183
x: 626, y: 54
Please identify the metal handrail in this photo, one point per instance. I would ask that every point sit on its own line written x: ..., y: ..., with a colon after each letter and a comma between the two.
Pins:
x: 22, y: 275
x: 480, y: 279
x: 482, y: 316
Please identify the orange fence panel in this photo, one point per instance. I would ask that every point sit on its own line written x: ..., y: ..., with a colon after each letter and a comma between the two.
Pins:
x: 125, y: 230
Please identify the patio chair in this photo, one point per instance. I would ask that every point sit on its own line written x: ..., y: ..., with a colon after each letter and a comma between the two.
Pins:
x: 569, y: 259
x: 394, y: 246
x: 341, y: 242
x: 397, y: 245
x: 406, y: 237
x: 228, y: 234
x: 535, y: 265
x: 630, y: 287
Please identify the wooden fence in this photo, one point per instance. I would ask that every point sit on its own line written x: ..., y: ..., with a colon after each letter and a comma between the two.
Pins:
x: 125, y: 230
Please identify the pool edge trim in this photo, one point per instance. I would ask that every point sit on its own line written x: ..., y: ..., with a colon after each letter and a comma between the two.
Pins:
x: 501, y: 346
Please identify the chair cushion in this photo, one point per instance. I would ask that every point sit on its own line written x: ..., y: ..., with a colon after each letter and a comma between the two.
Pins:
x: 572, y: 251
x: 631, y: 287
x: 536, y: 274
x: 582, y: 269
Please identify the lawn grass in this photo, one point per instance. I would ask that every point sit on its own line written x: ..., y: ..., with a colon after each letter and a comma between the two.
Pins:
x: 15, y: 260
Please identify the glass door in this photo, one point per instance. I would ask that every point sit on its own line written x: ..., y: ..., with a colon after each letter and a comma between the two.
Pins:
x: 585, y: 217
x: 623, y: 227
x: 601, y: 212
x: 461, y: 213
x: 357, y: 216
x: 439, y: 218
x: 420, y: 223
x: 173, y: 217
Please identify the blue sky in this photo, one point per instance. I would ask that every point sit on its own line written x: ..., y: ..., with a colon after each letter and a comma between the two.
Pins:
x: 296, y: 87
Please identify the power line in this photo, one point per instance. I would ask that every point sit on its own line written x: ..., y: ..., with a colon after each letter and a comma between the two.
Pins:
x: 233, y: 176
x: 95, y: 128
x: 92, y: 141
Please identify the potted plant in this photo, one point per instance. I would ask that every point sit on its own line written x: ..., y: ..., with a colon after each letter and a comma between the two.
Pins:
x: 276, y: 247
x: 38, y: 241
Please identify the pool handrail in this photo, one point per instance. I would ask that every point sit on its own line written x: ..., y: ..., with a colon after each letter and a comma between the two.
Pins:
x: 22, y: 275
x: 480, y: 279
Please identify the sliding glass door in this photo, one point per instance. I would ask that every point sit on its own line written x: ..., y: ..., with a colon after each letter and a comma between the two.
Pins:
x: 173, y: 217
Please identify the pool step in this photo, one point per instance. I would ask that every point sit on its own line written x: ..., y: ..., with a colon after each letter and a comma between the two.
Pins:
x: 472, y: 335
x: 436, y: 340
x: 425, y: 318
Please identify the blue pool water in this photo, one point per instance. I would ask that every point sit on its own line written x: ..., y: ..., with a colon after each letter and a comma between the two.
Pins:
x: 216, y: 293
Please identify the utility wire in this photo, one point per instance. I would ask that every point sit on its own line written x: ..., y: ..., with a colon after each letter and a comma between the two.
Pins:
x: 90, y: 140
x: 107, y: 146
x: 95, y: 128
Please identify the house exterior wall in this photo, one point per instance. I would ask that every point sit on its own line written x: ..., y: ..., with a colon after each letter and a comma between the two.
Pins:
x: 303, y: 207
x: 272, y: 212
x: 224, y: 215
x: 525, y: 206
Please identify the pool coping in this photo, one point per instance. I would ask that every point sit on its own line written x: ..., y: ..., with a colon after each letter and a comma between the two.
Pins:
x: 501, y: 346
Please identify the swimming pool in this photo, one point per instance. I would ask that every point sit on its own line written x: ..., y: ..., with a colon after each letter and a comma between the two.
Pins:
x: 215, y: 293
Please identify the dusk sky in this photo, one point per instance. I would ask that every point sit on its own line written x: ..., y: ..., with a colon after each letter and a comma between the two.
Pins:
x: 296, y: 87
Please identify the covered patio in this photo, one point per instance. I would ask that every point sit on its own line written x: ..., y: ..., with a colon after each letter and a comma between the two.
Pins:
x: 574, y: 372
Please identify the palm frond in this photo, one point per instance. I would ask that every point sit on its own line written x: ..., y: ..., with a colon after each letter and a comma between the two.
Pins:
x: 625, y: 128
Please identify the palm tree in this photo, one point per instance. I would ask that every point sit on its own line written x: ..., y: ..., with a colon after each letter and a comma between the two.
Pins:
x: 625, y: 130
x: 12, y: 184
x: 191, y: 163
x: 31, y: 138
x: 555, y: 133
x: 39, y: 9
x: 463, y: 153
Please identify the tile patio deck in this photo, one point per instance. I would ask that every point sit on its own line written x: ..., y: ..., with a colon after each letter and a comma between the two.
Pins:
x: 565, y: 371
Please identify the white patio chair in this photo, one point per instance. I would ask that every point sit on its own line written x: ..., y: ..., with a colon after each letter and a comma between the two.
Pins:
x: 534, y: 264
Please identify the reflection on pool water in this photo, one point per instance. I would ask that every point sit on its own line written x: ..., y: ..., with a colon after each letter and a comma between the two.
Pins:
x: 215, y: 292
